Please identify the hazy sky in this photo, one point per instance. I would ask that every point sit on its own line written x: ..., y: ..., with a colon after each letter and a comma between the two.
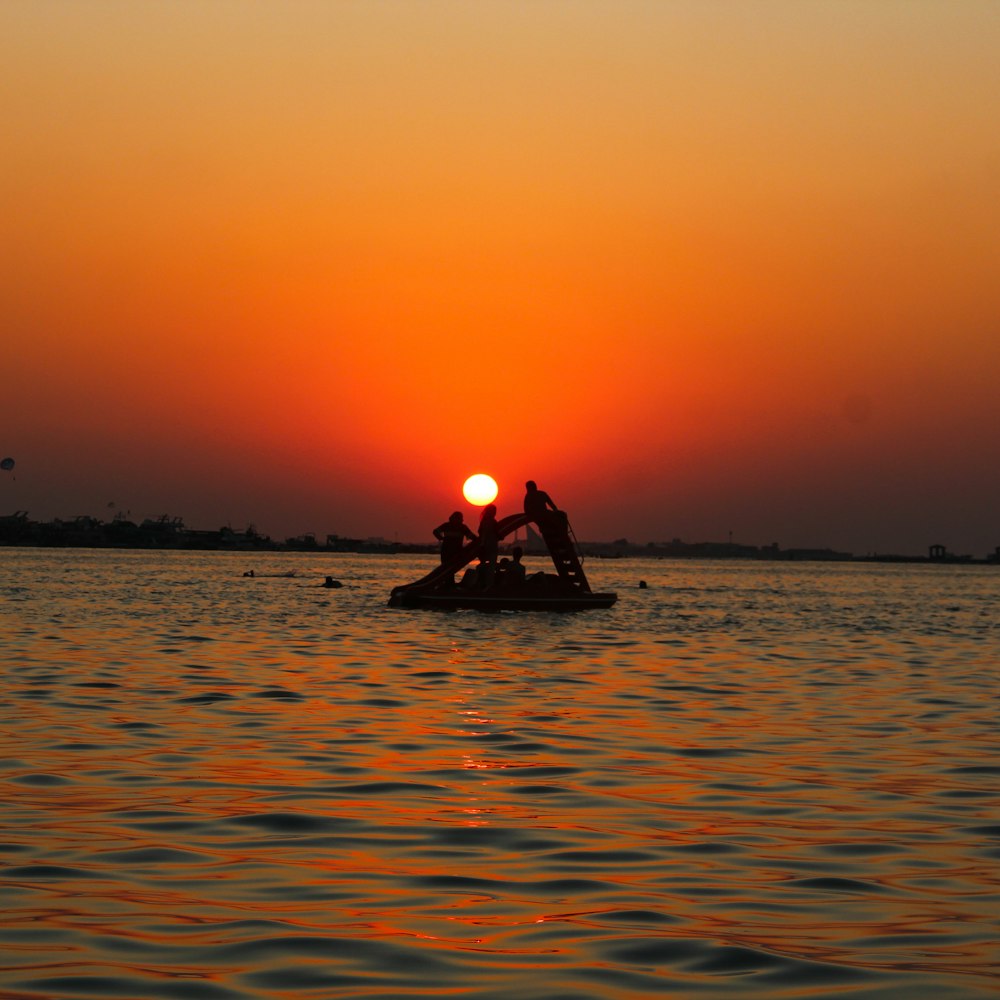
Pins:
x: 696, y: 267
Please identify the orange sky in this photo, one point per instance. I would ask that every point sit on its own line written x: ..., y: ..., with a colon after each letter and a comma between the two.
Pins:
x: 695, y: 267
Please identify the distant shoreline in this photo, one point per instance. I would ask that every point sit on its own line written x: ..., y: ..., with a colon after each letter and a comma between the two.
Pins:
x: 170, y: 534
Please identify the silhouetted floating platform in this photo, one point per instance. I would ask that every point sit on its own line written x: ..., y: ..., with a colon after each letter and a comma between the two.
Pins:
x: 457, y: 600
x: 567, y: 590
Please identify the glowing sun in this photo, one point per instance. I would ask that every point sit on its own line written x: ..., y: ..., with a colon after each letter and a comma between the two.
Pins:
x: 480, y: 489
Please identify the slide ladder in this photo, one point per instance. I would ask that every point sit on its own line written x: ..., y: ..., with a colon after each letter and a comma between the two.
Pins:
x: 554, y: 529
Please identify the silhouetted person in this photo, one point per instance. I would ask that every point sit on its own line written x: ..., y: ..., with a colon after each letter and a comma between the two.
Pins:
x: 514, y: 572
x: 451, y: 535
x: 537, y: 503
x: 488, y: 542
x: 330, y: 583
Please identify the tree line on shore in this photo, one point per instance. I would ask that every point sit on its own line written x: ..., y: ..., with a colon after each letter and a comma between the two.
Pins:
x: 171, y: 533
x: 167, y: 532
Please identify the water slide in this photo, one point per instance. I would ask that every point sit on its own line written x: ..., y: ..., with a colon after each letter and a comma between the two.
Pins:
x: 445, y: 573
x: 555, y: 532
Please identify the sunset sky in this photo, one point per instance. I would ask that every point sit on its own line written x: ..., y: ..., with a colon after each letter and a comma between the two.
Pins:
x: 696, y: 267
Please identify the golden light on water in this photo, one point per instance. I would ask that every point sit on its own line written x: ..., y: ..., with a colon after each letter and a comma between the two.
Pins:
x: 480, y: 489
x: 467, y: 798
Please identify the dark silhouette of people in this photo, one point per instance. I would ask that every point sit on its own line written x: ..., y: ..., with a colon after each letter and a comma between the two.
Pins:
x: 452, y: 535
x: 330, y: 583
x: 514, y: 572
x: 488, y: 543
x: 537, y: 503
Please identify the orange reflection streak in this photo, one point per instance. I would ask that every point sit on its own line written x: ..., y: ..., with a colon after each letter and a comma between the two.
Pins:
x: 815, y: 796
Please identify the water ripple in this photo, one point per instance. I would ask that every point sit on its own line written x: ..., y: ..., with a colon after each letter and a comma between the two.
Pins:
x: 746, y: 781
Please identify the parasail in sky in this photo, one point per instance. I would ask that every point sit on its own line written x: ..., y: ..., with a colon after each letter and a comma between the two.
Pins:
x: 7, y: 464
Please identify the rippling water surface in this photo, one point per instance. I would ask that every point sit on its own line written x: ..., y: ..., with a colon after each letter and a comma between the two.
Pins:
x: 746, y: 781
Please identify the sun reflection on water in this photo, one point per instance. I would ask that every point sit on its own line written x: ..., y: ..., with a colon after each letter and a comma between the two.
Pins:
x: 296, y: 798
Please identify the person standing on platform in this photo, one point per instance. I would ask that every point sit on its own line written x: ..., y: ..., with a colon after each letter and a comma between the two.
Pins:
x: 488, y: 545
x: 538, y: 504
x: 451, y: 535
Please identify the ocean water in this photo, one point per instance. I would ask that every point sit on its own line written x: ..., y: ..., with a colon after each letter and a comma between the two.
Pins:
x: 745, y: 781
